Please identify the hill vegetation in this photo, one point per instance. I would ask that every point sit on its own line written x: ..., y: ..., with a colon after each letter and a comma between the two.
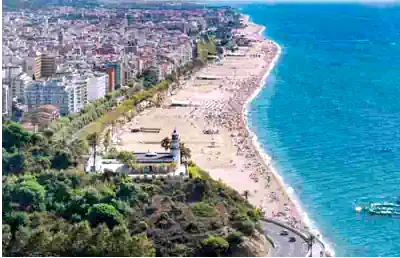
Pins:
x: 75, y: 214
x: 206, y: 47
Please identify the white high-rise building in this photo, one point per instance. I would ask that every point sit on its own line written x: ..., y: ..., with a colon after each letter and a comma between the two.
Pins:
x: 18, y: 86
x: 97, y: 86
x: 17, y: 81
x: 6, y: 100
x: 46, y: 26
x: 78, y: 83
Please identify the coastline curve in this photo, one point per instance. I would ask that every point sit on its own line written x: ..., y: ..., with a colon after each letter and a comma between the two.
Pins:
x: 266, y: 159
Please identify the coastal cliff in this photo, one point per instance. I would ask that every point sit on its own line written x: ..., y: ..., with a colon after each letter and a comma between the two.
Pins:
x: 255, y: 246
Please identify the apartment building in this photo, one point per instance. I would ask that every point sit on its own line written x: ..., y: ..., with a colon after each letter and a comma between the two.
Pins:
x: 49, y: 93
x: 6, y: 103
x: 45, y: 66
x: 97, y: 86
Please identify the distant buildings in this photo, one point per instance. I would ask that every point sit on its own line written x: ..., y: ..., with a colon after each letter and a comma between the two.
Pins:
x: 70, y: 62
x: 45, y: 66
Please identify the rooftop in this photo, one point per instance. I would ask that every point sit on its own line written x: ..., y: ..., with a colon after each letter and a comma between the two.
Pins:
x: 154, y: 157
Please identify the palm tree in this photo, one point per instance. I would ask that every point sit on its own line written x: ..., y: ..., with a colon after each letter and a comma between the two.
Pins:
x: 166, y: 143
x: 107, y: 139
x: 185, y: 152
x: 79, y: 147
x: 311, y: 240
x: 113, y: 127
x: 159, y: 100
x: 129, y: 116
x: 94, y: 140
x: 124, y: 91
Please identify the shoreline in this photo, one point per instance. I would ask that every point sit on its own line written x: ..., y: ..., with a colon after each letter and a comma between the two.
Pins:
x: 229, y: 151
x: 266, y: 158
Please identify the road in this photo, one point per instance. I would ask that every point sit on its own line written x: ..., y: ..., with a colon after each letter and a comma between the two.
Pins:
x: 284, y: 248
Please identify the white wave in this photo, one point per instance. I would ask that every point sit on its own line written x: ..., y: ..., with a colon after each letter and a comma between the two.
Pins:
x: 310, y: 224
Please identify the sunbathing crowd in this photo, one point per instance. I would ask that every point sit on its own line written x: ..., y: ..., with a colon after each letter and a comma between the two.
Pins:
x: 227, y: 111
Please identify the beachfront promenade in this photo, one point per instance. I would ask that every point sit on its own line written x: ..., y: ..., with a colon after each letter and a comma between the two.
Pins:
x: 231, y: 154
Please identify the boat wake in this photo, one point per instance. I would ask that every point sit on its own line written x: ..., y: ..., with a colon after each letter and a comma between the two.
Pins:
x: 380, y: 208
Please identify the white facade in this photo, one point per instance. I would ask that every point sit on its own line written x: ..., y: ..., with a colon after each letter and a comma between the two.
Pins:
x: 175, y: 148
x: 78, y: 86
x: 97, y: 85
x: 17, y: 81
x: 6, y: 105
x: 70, y: 93
x: 19, y: 84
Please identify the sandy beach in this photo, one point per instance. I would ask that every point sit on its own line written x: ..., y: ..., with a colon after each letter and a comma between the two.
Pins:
x: 227, y: 150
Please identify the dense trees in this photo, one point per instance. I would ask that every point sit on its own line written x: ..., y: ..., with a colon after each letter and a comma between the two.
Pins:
x: 27, y: 152
x: 127, y: 158
x: 95, y: 116
x: 206, y: 47
x: 77, y: 214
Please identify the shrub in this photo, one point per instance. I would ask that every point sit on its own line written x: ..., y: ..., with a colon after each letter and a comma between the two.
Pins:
x: 246, y: 227
x: 235, y: 238
x: 76, y: 218
x: 126, y: 191
x: 121, y: 206
x: 178, y: 196
x: 104, y: 213
x: 28, y: 194
x: 164, y: 216
x: 255, y: 214
x: 92, y: 196
x: 142, y: 226
x: 214, y: 246
x: 192, y: 228
x: 259, y: 227
x: 77, y: 205
x: 215, y: 224
x: 144, y: 197
x: 16, y: 220
x: 203, y: 209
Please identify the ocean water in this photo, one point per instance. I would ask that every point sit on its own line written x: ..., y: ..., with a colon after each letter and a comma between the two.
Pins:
x: 330, y: 116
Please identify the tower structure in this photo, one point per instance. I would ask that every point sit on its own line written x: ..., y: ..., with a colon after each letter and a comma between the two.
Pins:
x: 175, y: 148
x: 46, y: 26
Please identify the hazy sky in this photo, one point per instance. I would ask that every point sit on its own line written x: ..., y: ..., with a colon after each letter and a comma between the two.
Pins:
x: 321, y: 1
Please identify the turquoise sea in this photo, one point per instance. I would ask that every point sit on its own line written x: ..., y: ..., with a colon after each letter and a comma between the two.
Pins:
x: 330, y: 116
